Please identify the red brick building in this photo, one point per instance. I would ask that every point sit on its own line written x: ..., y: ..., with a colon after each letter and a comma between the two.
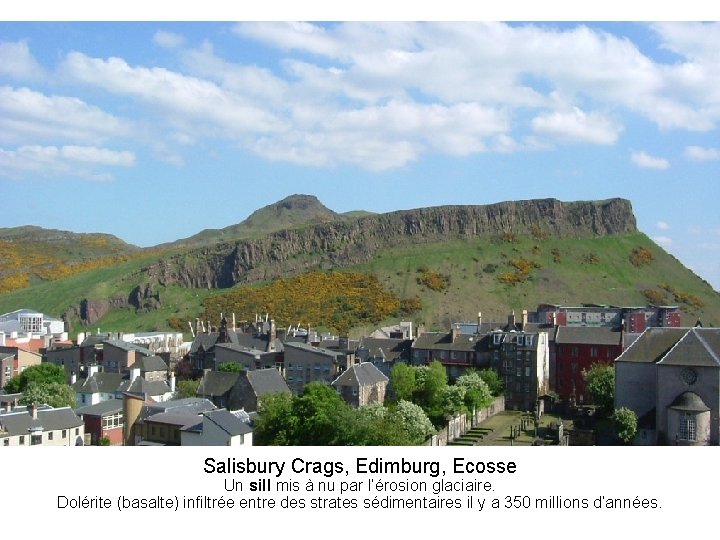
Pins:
x: 577, y: 348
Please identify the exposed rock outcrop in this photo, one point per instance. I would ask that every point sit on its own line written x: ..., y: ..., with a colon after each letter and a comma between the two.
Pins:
x: 344, y: 243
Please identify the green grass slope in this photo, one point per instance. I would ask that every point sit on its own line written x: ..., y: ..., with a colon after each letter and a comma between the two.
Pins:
x: 472, y: 277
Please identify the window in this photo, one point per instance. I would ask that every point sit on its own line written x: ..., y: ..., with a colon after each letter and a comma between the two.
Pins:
x: 50, y: 436
x: 575, y: 352
x: 519, y: 371
x: 6, y: 442
x: 77, y: 431
x: 64, y: 433
x: 112, y: 421
x: 22, y: 439
x: 527, y: 371
x: 497, y: 339
x: 593, y: 352
x: 688, y: 428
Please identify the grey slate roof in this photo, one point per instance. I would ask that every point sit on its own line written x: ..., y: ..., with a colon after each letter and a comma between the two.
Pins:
x: 18, y: 422
x: 182, y: 406
x: 386, y: 348
x: 124, y: 345
x: 107, y: 383
x: 316, y: 350
x: 217, y: 383
x: 364, y: 374
x: 150, y: 363
x: 141, y: 386
x: 228, y: 422
x: 587, y: 335
x: 267, y: 381
x: 174, y: 419
x: 442, y: 341
x: 104, y: 408
x: 698, y: 347
x: 652, y: 345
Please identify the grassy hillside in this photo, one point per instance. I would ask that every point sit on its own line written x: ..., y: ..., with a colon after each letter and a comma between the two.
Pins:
x: 453, y: 279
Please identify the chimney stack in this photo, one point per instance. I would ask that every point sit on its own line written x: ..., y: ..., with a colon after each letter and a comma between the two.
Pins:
x: 524, y: 318
x: 479, y: 321
x: 511, y: 320
x: 33, y: 411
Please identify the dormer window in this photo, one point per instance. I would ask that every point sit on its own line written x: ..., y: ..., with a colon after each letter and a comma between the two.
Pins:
x: 497, y: 339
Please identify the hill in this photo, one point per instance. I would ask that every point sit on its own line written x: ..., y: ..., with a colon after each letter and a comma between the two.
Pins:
x: 30, y: 254
x: 293, y: 211
x: 450, y: 262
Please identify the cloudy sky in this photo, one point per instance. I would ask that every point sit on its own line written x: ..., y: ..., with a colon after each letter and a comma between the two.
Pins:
x: 154, y: 131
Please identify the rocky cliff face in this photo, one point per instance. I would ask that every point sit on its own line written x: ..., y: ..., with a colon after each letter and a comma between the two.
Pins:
x: 344, y: 243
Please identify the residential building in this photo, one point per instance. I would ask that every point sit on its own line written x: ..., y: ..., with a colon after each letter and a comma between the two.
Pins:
x: 103, y: 420
x: 118, y: 356
x: 383, y: 353
x: 577, y: 348
x: 15, y: 360
x: 362, y: 384
x: 40, y: 425
x: 218, y: 428
x: 243, y: 390
x: 670, y: 378
x: 305, y: 363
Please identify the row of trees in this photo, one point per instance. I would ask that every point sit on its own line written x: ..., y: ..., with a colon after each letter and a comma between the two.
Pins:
x: 320, y: 417
x: 428, y: 387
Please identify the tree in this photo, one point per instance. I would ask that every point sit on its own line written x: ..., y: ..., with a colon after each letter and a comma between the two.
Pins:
x: 275, y: 424
x: 477, y: 391
x: 402, y: 379
x: 414, y: 421
x: 625, y: 424
x: 493, y: 381
x: 41, y: 373
x: 376, y: 426
x: 186, y: 389
x: 600, y: 379
x: 52, y: 393
x: 322, y: 418
x: 231, y: 367
x: 431, y: 381
x: 453, y: 400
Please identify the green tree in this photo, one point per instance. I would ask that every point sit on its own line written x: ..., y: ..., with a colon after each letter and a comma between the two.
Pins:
x: 186, y: 388
x: 431, y: 383
x: 41, y: 373
x: 453, y: 400
x: 322, y: 418
x: 376, y: 426
x: 231, y: 367
x: 402, y: 379
x: 413, y: 420
x: 625, y: 424
x: 52, y: 393
x: 275, y: 424
x: 493, y: 381
x: 600, y: 380
x: 477, y: 391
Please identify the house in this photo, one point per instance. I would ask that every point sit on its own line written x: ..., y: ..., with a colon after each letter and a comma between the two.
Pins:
x: 103, y: 420
x: 635, y: 318
x: 362, y: 384
x: 159, y: 423
x: 97, y: 387
x: 243, y: 390
x: 15, y: 360
x: 152, y: 368
x: 577, y: 348
x: 670, y: 378
x: 305, y: 363
x: 74, y: 359
x: 40, y: 425
x: 383, y: 353
x: 261, y: 336
x: 249, y: 358
x: 402, y: 330
x: 218, y: 428
x: 118, y: 356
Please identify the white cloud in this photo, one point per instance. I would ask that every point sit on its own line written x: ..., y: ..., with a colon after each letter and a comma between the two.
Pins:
x: 663, y: 240
x: 17, y: 61
x: 662, y: 226
x: 197, y: 100
x: 51, y: 161
x: 168, y: 40
x: 645, y: 160
x: 27, y: 116
x: 579, y: 126
x: 698, y: 153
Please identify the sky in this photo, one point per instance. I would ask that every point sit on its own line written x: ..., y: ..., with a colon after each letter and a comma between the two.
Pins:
x: 153, y: 131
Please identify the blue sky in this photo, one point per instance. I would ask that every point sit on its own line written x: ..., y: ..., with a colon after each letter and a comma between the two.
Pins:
x: 155, y: 131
